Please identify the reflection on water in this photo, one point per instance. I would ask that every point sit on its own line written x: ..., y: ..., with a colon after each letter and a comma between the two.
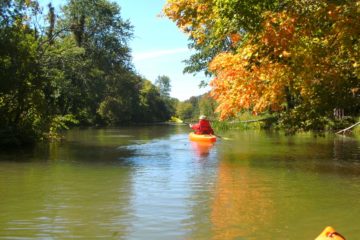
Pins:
x: 151, y: 182
x: 202, y: 149
x: 242, y: 205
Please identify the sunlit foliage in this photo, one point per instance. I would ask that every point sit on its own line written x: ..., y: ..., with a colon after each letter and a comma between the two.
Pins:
x: 66, y: 66
x: 297, y: 57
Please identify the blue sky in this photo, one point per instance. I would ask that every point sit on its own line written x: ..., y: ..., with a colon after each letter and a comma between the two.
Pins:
x: 158, y: 47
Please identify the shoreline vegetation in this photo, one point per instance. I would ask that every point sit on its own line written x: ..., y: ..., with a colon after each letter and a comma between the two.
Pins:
x: 10, y: 140
x: 270, y: 122
x: 291, y: 68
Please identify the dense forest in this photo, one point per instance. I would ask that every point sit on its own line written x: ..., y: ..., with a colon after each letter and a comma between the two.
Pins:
x: 296, y: 59
x: 71, y: 67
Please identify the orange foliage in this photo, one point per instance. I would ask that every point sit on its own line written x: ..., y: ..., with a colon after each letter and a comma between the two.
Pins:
x: 312, y: 56
x: 279, y: 32
x: 236, y: 87
x: 191, y: 16
x: 256, y: 80
x: 235, y: 38
x: 245, y: 80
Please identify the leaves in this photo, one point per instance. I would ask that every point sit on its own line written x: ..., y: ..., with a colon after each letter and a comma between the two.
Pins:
x: 75, y: 69
x: 276, y: 55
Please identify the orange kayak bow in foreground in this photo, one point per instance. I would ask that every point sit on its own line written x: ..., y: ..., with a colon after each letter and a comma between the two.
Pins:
x: 202, y: 137
x: 329, y: 233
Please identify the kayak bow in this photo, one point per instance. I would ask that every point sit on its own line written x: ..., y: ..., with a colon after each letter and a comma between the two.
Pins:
x: 329, y: 233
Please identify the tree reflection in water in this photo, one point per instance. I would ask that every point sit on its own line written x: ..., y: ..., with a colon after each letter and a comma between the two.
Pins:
x: 241, y: 208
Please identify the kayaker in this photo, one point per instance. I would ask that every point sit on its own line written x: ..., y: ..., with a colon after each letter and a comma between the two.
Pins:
x: 203, y: 127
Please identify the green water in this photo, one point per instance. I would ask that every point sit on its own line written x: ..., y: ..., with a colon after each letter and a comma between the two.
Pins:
x: 152, y: 183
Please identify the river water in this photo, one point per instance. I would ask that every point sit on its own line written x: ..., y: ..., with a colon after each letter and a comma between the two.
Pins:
x: 153, y: 183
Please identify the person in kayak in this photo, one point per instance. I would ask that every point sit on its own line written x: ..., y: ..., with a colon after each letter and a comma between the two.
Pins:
x: 203, y: 126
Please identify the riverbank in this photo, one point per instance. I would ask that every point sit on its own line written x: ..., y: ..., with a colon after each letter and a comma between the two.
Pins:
x: 9, y: 139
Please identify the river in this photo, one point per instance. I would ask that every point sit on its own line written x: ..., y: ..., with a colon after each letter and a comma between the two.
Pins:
x: 151, y: 182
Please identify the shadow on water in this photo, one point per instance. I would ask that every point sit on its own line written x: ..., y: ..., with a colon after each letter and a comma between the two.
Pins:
x: 95, y: 146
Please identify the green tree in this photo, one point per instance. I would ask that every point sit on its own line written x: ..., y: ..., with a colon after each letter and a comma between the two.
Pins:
x: 154, y: 107
x: 192, y: 108
x: 76, y: 68
x: 21, y: 83
x: 207, y: 106
x: 163, y: 83
x: 184, y: 110
x: 107, y: 72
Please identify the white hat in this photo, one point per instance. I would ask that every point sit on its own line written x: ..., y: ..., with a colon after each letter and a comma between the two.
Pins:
x: 202, y: 117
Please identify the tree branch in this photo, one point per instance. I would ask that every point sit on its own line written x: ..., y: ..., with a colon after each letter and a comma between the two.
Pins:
x: 346, y: 129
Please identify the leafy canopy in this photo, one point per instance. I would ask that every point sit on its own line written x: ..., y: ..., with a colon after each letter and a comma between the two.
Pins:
x: 293, y: 57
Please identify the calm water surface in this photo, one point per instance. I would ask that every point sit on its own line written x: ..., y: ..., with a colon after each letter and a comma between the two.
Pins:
x: 153, y: 183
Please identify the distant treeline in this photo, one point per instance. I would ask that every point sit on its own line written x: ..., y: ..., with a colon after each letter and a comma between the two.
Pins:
x: 191, y: 109
x: 70, y: 67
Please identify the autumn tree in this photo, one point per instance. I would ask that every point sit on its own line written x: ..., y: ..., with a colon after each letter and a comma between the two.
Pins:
x: 299, y: 58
